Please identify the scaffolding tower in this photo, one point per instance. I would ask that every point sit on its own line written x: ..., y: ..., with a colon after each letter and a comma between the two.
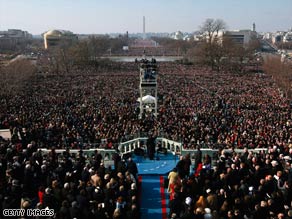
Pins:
x: 148, y: 87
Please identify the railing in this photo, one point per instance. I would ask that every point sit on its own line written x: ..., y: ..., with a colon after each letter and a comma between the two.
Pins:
x: 211, y: 152
x: 173, y: 147
x: 106, y: 153
x: 130, y: 146
x: 126, y: 147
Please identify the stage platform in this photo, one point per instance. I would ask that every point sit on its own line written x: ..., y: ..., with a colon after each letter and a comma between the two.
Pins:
x: 161, y: 165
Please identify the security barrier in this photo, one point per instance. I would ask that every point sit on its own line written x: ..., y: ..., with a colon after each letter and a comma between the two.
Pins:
x: 170, y: 145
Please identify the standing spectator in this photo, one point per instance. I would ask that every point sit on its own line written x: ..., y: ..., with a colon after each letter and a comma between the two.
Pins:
x: 198, y: 157
x: 172, y: 178
x: 175, y: 206
x: 132, y: 167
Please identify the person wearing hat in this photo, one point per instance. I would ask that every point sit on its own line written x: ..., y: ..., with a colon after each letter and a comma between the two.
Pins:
x: 188, y: 212
x: 208, y: 213
x: 188, y: 201
x: 48, y: 199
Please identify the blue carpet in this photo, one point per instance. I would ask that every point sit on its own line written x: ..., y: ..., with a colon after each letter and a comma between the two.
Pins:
x: 160, y: 166
x: 151, y: 198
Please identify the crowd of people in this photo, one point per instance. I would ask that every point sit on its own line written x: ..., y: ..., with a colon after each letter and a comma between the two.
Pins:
x: 239, y: 186
x: 73, y: 185
x: 215, y: 109
x: 195, y: 106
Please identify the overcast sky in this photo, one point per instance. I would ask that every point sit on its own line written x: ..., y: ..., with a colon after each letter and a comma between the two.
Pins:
x: 110, y: 16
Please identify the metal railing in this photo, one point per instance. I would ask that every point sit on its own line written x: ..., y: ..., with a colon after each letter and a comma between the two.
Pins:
x: 130, y: 146
x: 171, y: 146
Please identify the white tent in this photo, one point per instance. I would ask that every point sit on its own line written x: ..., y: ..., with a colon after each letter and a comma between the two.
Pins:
x: 147, y: 99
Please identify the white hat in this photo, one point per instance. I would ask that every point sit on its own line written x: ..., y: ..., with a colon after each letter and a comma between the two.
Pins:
x: 188, y: 200
x: 207, y: 210
x: 133, y: 186
x: 66, y: 185
x: 106, y: 176
x: 274, y: 163
x: 48, y: 190
x: 208, y: 214
x: 15, y: 182
x: 97, y: 189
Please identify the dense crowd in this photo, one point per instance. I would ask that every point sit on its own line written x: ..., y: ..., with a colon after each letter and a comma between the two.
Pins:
x: 238, y: 186
x: 73, y: 185
x: 196, y: 106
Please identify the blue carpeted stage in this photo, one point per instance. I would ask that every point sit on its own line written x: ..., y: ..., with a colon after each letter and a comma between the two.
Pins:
x: 161, y: 165
x: 154, y: 197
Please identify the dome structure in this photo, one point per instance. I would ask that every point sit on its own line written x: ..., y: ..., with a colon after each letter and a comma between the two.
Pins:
x: 53, y: 33
x: 53, y: 38
x: 178, y: 35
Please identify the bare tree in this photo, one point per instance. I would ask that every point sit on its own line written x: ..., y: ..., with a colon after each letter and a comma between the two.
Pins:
x: 220, y: 51
x: 80, y: 53
x: 281, y: 73
x: 15, y: 76
x: 210, y: 51
x: 210, y: 29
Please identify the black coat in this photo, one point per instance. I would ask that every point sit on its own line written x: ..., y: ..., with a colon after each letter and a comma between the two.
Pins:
x: 132, y: 167
x: 175, y: 206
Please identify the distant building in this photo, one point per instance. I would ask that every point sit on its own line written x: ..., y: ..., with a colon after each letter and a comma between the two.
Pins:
x: 287, y: 37
x: 15, y: 34
x: 242, y: 37
x: 187, y: 37
x: 178, y: 35
x: 144, y: 43
x: 198, y: 37
x: 254, y: 27
x: 13, y: 39
x: 278, y: 37
x: 56, y: 38
x: 268, y: 36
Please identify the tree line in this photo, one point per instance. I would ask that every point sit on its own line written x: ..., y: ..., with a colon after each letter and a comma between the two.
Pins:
x: 222, y: 52
x: 281, y: 73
